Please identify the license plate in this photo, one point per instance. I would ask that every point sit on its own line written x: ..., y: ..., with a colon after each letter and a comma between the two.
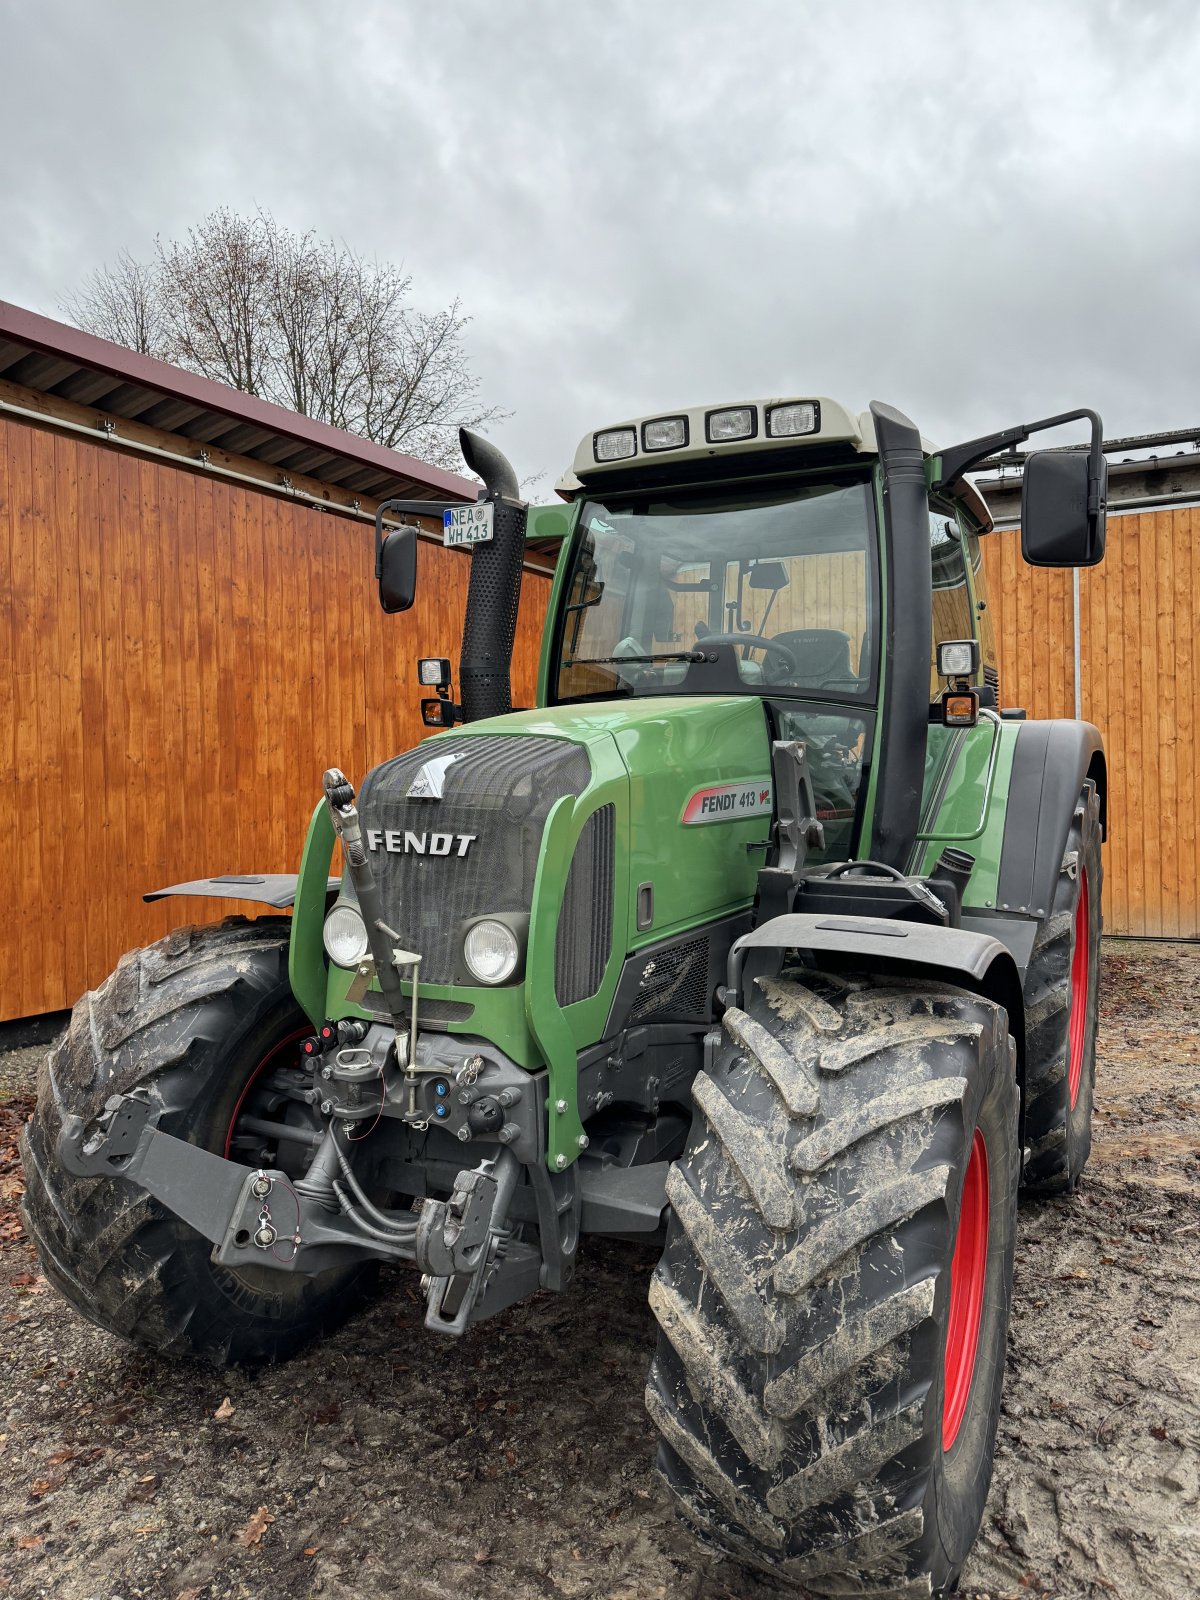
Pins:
x: 467, y: 524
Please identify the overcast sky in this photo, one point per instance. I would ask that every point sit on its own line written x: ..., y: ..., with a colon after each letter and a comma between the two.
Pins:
x: 978, y: 213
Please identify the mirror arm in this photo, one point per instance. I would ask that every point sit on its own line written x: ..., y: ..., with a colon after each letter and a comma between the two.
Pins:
x: 962, y: 457
x: 419, y: 508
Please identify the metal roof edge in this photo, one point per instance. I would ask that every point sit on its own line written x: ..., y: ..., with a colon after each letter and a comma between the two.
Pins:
x: 59, y: 338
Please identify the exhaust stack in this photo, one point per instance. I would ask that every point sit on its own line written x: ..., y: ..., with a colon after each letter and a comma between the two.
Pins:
x: 494, y: 592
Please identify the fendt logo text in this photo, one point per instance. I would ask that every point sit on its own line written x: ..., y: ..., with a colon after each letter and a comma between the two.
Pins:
x: 399, y: 842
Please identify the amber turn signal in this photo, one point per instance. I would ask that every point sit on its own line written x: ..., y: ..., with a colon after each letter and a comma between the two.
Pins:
x: 960, y: 708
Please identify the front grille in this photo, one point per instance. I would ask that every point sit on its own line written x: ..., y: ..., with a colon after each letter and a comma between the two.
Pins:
x: 496, y: 789
x: 585, y: 923
x: 677, y: 987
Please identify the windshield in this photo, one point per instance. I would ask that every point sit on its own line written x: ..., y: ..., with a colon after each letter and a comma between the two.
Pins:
x: 707, y: 593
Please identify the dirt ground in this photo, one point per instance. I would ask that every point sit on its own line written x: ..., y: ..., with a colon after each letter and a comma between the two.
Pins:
x: 518, y: 1464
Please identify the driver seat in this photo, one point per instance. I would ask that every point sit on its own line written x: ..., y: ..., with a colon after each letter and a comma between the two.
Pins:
x: 822, y: 657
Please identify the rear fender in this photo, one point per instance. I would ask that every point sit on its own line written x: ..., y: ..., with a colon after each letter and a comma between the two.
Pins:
x: 885, y: 946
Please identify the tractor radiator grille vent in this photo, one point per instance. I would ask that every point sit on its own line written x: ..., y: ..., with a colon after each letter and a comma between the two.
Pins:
x: 677, y: 989
x: 585, y: 923
x: 464, y: 819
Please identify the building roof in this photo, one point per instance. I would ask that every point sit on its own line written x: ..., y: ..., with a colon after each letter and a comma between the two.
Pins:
x: 53, y: 359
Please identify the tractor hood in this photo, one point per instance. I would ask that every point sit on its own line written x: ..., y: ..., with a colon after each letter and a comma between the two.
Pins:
x: 455, y: 826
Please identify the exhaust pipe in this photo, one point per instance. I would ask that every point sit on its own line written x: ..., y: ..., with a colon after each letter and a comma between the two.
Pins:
x: 494, y: 592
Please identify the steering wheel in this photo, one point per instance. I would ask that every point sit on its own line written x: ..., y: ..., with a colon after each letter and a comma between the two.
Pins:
x: 768, y: 646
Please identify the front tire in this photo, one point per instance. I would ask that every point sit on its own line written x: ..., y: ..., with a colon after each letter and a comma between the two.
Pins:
x: 202, y: 1020
x: 833, y: 1297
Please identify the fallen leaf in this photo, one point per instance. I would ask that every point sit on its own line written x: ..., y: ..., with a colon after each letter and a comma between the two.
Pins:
x: 309, y: 1550
x: 67, y: 1453
x: 1158, y: 1433
x: 188, y: 1594
x: 30, y: 1541
x: 253, y: 1531
x: 151, y: 1477
x: 41, y: 1486
x: 224, y: 1411
x: 483, y: 1555
x: 148, y: 1527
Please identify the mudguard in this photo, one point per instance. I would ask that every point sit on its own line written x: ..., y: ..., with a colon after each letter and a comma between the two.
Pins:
x: 973, y: 961
x: 276, y: 889
x: 1051, y: 762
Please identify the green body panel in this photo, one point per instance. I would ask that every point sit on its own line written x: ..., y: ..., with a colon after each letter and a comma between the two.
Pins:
x: 307, y: 965
x: 974, y: 808
x: 648, y: 757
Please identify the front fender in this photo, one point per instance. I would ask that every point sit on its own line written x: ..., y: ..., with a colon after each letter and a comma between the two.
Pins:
x: 1051, y: 762
x: 973, y: 961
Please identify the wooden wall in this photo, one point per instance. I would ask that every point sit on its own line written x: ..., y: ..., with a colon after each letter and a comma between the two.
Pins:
x: 180, y: 660
x: 1140, y: 682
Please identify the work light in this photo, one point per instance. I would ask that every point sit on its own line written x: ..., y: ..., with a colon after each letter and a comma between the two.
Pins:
x: 958, y: 658
x: 433, y: 672
x: 345, y: 936
x: 664, y: 433
x: 785, y: 422
x: 491, y: 951
x: 739, y: 422
x: 615, y: 445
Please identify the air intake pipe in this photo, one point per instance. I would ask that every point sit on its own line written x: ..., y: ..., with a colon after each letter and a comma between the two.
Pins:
x: 494, y: 592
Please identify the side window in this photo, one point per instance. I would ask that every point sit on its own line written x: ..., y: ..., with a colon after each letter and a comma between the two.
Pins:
x: 952, y: 618
x: 987, y: 630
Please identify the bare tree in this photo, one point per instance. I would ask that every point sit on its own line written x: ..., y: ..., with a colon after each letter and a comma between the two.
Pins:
x: 299, y: 320
x: 122, y: 303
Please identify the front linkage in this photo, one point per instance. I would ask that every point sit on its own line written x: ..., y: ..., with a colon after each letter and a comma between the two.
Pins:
x: 467, y: 1248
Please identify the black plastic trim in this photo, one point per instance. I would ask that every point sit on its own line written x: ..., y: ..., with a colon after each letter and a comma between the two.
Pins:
x: 907, y: 630
x: 1051, y: 762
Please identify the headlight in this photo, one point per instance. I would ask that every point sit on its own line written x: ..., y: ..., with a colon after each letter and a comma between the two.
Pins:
x: 345, y: 936
x: 491, y: 952
x: 737, y: 422
x: 785, y: 422
x: 958, y: 658
x: 615, y: 445
x: 666, y: 433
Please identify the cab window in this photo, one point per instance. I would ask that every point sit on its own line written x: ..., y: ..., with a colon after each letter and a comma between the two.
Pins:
x: 952, y: 611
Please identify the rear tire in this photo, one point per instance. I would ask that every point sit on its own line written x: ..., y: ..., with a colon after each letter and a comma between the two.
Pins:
x: 808, y: 1329
x: 1062, y: 1012
x: 194, y: 1019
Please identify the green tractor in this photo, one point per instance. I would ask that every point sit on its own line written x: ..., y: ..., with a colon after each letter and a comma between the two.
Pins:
x: 767, y: 937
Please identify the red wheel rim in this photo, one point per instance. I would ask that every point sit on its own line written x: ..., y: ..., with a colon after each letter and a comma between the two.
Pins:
x: 1077, y: 1026
x: 968, y: 1274
x: 271, y: 1059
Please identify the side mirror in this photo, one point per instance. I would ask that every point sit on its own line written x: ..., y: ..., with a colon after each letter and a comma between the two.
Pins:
x: 1063, y: 499
x: 397, y: 567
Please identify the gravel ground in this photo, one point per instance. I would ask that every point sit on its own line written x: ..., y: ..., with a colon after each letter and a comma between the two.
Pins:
x: 517, y: 1464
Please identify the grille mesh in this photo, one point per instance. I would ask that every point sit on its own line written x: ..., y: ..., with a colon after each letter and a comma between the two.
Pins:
x: 499, y: 789
x: 585, y: 923
x: 677, y: 989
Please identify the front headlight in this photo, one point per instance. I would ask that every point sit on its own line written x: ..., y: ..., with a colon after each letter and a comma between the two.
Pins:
x: 345, y: 936
x: 491, y: 951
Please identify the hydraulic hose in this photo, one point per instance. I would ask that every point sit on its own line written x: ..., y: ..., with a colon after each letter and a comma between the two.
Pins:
x: 339, y: 796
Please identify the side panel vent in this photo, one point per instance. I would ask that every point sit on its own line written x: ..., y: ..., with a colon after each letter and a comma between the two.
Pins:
x: 585, y: 924
x: 676, y: 989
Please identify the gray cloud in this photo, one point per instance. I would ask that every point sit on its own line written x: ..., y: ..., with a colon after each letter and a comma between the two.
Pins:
x: 978, y: 213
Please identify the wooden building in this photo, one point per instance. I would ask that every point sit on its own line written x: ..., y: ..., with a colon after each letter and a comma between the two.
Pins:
x: 189, y: 636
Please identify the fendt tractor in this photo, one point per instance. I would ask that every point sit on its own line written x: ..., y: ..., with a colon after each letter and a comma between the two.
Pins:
x: 767, y: 936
